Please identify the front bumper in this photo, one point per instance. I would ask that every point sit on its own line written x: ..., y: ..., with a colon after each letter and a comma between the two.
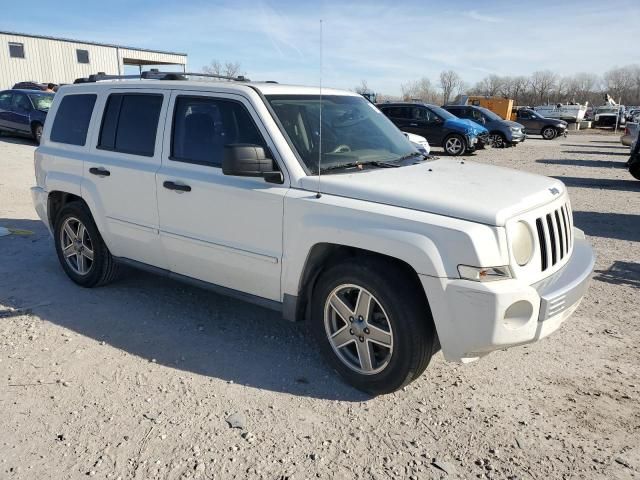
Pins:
x: 40, y: 200
x: 517, y: 138
x: 473, y: 318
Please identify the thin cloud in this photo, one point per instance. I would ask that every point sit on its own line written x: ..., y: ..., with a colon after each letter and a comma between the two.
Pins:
x: 481, y: 17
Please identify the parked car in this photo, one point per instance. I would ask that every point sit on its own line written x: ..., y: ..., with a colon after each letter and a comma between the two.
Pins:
x: 388, y: 255
x: 503, y: 133
x: 420, y: 143
x: 630, y: 134
x: 608, y: 115
x: 23, y: 112
x: 437, y: 125
x: 634, y: 160
x: 30, y: 86
x: 536, y: 124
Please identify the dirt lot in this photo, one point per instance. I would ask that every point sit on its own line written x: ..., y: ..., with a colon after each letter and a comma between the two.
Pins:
x: 137, y: 379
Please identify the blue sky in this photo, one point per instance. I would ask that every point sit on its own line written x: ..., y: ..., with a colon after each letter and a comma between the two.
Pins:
x: 386, y: 43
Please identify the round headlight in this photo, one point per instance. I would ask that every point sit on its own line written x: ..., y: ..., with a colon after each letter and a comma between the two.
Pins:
x: 522, y: 243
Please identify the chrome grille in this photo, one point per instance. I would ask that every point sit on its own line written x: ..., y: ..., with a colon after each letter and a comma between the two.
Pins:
x: 554, y: 236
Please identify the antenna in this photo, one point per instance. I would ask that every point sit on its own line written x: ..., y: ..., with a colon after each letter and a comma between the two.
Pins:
x: 318, y: 194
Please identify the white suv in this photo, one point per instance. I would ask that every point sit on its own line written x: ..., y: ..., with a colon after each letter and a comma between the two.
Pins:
x: 388, y: 254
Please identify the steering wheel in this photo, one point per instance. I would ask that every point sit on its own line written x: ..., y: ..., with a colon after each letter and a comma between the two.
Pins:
x: 341, y: 149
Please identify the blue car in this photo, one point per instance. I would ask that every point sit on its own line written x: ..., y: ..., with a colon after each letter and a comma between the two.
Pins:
x: 438, y: 126
x: 22, y: 112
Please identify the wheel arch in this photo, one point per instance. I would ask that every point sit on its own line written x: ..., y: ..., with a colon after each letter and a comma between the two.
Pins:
x: 323, y: 255
x: 58, y: 199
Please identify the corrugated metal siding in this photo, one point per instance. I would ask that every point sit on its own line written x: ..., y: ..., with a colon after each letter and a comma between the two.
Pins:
x: 48, y: 60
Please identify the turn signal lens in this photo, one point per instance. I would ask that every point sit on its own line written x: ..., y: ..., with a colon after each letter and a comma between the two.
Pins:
x: 484, y: 274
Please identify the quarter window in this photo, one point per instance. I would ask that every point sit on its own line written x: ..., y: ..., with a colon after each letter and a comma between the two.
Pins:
x: 16, y: 50
x: 202, y: 126
x: 130, y: 123
x: 397, y: 112
x: 72, y: 119
x: 82, y: 56
x: 5, y: 100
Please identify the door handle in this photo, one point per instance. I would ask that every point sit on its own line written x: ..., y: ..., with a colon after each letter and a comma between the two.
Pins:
x: 101, y: 172
x: 413, y: 124
x: 176, y: 186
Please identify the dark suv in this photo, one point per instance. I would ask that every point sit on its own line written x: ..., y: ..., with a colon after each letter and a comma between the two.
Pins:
x: 504, y: 133
x: 437, y: 125
x: 22, y: 112
x: 536, y: 124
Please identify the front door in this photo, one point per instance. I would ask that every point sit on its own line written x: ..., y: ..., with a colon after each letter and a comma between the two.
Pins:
x: 20, y: 111
x: 221, y: 229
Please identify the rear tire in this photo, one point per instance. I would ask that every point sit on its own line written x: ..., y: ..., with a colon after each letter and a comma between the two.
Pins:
x: 398, y: 317
x: 455, y: 145
x: 81, y: 251
x: 549, y: 133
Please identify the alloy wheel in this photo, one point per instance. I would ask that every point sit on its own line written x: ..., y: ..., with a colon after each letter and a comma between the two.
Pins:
x: 77, y: 247
x: 358, y: 329
x: 453, y: 145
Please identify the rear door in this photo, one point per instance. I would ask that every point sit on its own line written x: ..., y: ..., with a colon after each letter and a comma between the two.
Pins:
x: 401, y: 116
x: 120, y: 171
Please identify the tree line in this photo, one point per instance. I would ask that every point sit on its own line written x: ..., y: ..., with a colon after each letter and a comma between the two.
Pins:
x: 544, y: 86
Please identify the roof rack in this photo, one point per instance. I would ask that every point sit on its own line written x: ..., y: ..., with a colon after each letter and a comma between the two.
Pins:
x: 155, y: 74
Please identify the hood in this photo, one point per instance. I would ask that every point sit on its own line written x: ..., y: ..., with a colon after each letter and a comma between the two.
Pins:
x: 463, y: 124
x: 514, y: 124
x: 461, y: 189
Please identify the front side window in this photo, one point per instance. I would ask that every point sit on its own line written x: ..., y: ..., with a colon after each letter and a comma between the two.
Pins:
x: 202, y: 126
x: 72, y: 119
x: 16, y: 50
x: 425, y: 115
x: 21, y: 103
x: 82, y: 56
x: 130, y: 123
x: 353, y: 130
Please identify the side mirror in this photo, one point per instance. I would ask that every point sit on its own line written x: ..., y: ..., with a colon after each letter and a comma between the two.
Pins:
x: 483, y: 121
x: 245, y: 160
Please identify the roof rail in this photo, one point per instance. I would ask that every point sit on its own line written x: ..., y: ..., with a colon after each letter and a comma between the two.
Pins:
x: 155, y: 74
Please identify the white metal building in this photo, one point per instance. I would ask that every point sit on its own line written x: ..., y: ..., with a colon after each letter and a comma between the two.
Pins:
x: 26, y: 57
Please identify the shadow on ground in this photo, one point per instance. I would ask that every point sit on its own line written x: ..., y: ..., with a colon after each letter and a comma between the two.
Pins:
x: 582, y: 145
x: 601, y: 183
x: 597, y: 152
x: 17, y: 140
x: 585, y: 163
x: 620, y: 273
x: 179, y: 326
x: 621, y: 226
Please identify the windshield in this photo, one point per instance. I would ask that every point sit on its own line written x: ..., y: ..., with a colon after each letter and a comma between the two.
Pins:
x: 442, y: 113
x: 354, y: 131
x: 534, y: 114
x: 607, y: 110
x: 41, y: 101
x: 489, y: 114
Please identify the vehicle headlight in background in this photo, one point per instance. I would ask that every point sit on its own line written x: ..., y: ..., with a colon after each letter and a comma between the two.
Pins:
x: 521, y: 243
x: 515, y: 129
x: 484, y: 274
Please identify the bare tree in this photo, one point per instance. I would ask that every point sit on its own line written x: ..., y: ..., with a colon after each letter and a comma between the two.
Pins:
x: 450, y: 83
x: 229, y: 69
x: 419, y: 90
x: 489, y: 86
x: 362, y: 88
x: 542, y: 84
x: 619, y: 83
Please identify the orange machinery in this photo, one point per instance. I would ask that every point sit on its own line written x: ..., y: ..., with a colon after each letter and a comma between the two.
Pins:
x: 498, y: 105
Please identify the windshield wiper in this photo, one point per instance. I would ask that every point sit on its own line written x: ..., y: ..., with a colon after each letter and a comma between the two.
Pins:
x: 374, y: 163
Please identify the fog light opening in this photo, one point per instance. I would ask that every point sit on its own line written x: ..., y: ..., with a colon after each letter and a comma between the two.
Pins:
x: 518, y: 314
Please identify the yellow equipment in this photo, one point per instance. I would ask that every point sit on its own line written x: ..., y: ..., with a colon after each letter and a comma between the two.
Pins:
x: 498, y: 105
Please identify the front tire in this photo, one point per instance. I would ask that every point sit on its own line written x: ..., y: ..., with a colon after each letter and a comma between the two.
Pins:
x: 455, y: 145
x: 81, y: 251
x: 549, y: 133
x: 498, y: 140
x: 37, y: 132
x: 372, y: 324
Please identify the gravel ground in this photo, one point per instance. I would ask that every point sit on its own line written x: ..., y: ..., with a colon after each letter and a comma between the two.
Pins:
x: 139, y: 379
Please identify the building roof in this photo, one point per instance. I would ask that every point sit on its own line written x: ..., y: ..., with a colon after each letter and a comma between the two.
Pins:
x: 70, y: 40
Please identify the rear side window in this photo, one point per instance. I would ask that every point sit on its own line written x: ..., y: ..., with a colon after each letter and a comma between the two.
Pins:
x: 202, y: 126
x: 397, y: 112
x: 130, y: 123
x: 72, y: 119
